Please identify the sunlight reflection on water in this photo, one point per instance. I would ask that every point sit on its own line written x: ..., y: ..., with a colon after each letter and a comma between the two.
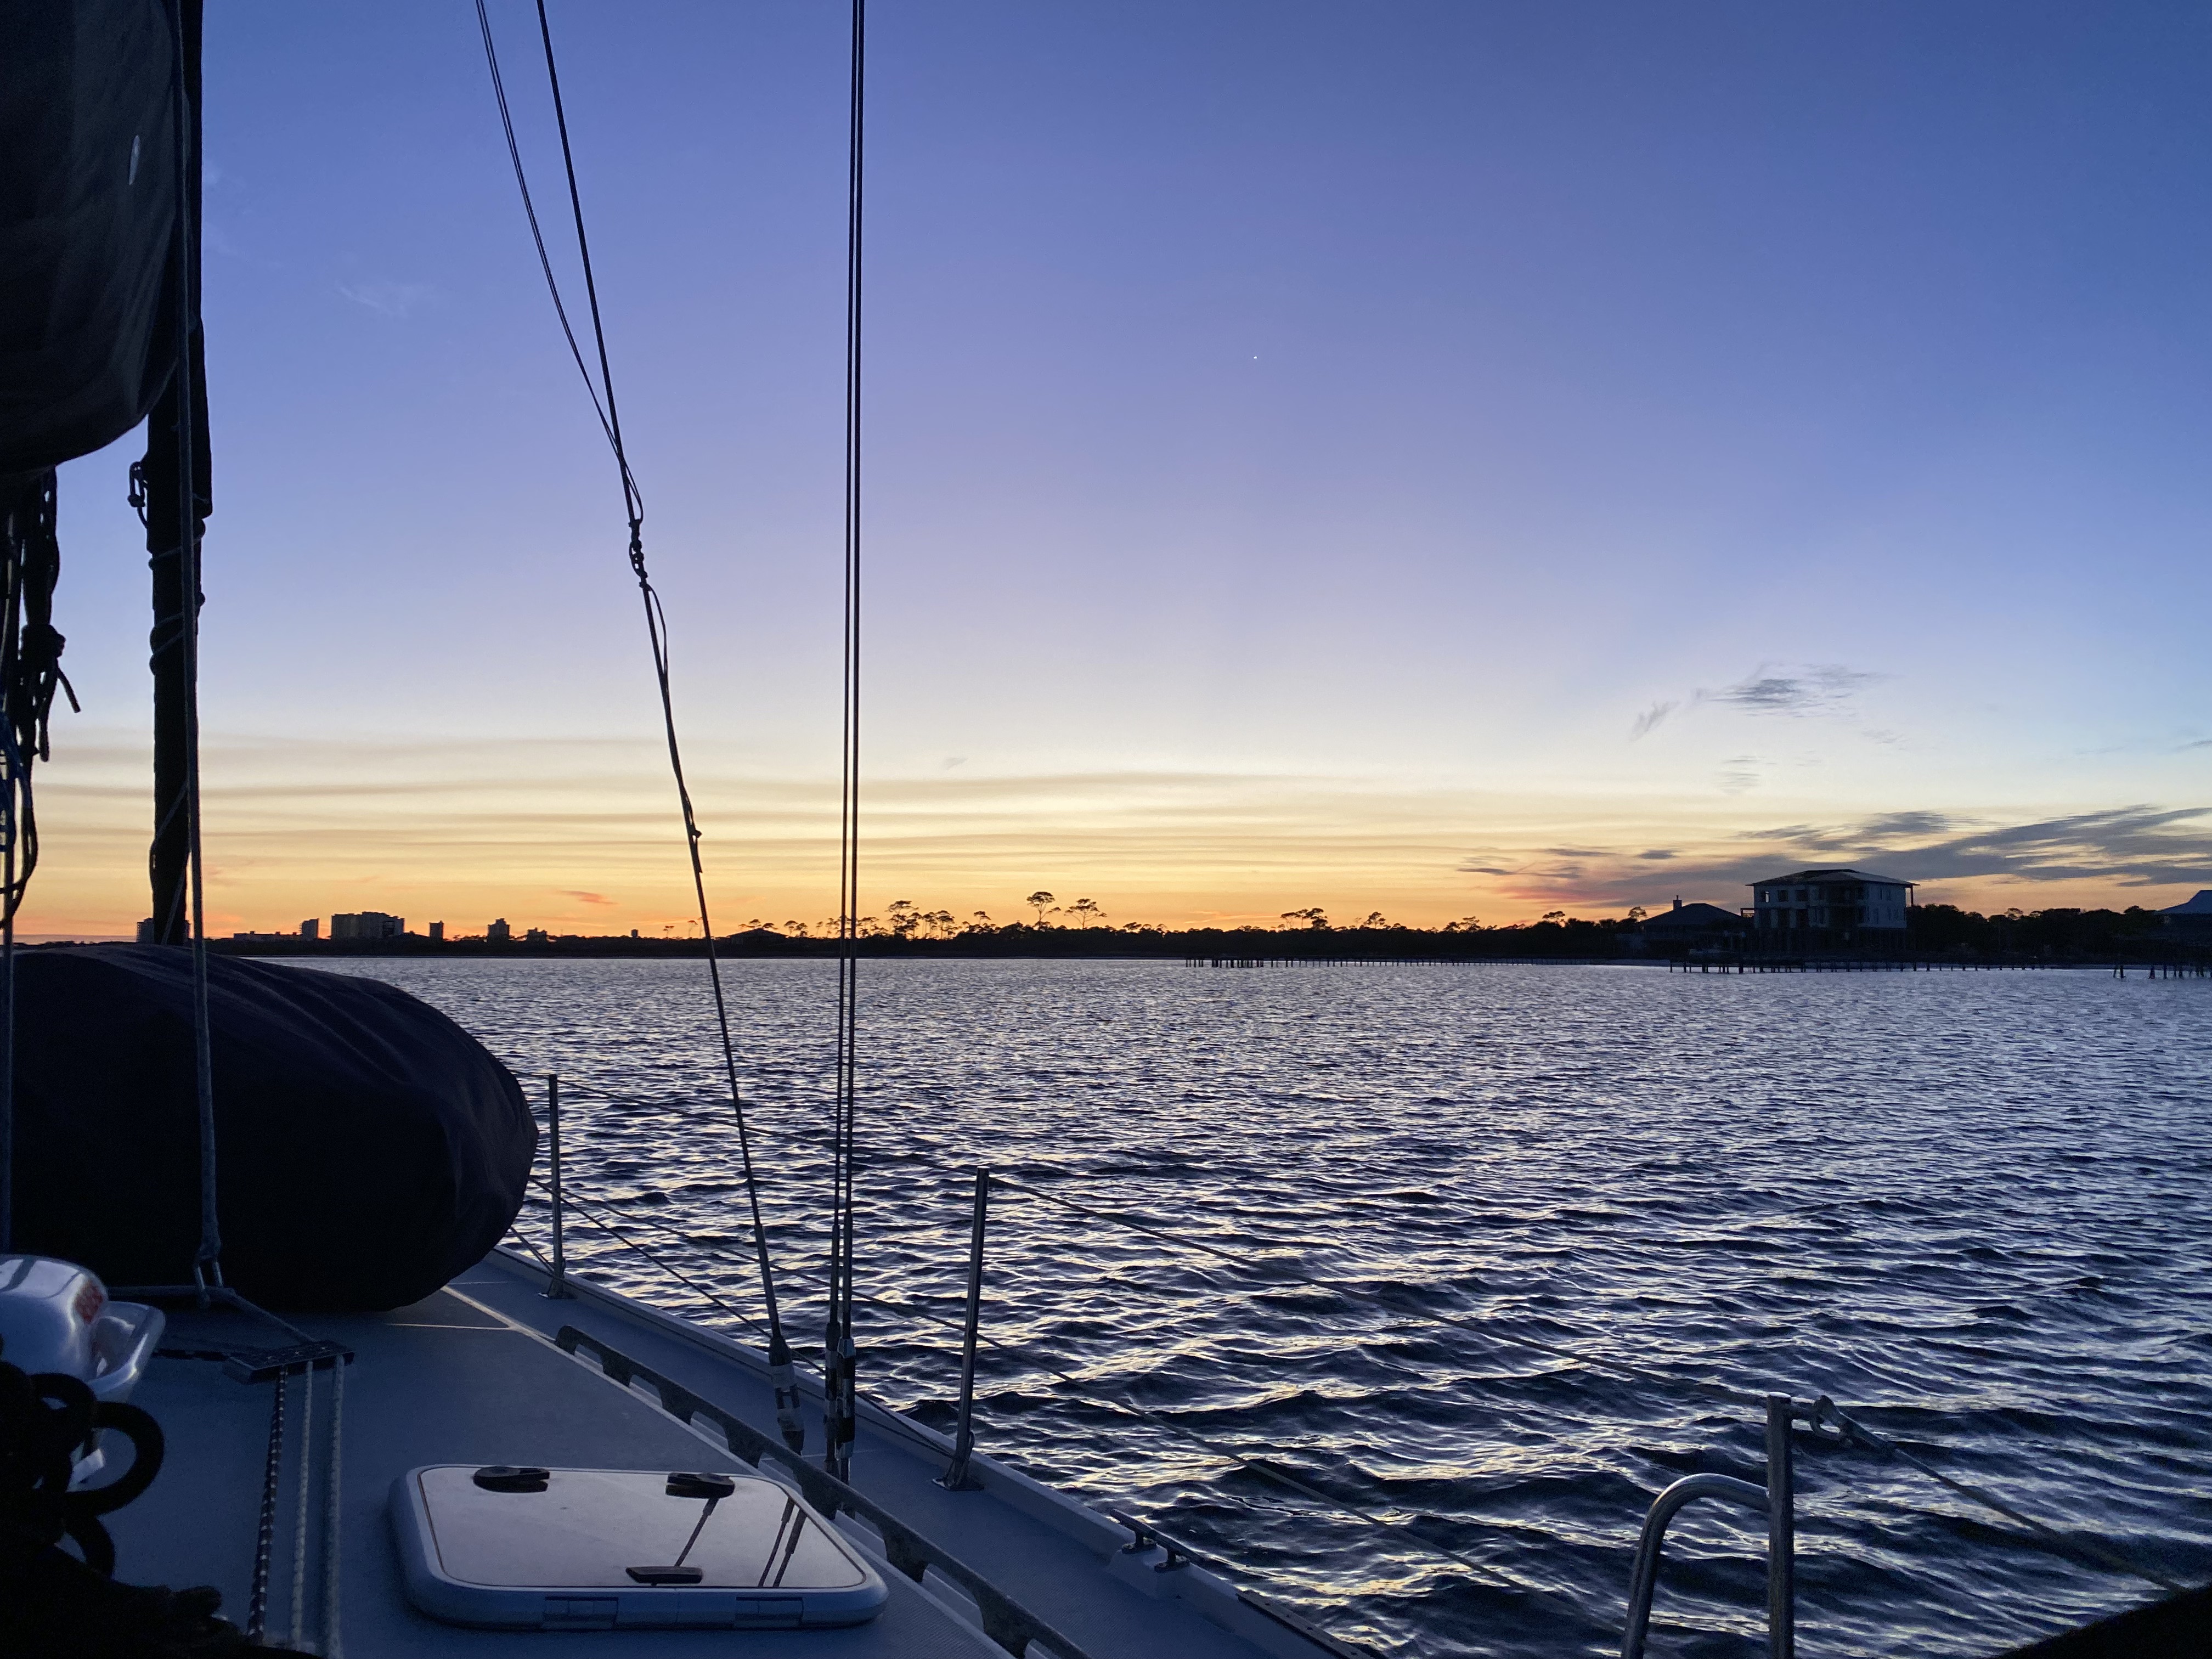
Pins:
x: 1979, y: 1202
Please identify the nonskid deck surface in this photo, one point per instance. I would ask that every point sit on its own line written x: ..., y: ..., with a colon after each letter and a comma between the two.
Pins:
x: 470, y: 1375
x: 439, y: 1382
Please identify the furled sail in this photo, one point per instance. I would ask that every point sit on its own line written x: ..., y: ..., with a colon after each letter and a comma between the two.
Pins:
x: 88, y: 161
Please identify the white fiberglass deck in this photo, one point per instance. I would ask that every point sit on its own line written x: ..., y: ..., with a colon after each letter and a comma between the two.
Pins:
x: 470, y: 1377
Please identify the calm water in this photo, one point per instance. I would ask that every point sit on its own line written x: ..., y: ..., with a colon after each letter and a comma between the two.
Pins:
x: 1980, y: 1205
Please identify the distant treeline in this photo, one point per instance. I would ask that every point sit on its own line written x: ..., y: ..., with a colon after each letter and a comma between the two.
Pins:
x: 1935, y: 931
x: 2057, y: 934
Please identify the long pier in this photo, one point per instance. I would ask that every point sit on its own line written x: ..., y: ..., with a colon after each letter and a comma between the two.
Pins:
x: 2194, y: 968
x: 1227, y: 961
x: 2191, y: 969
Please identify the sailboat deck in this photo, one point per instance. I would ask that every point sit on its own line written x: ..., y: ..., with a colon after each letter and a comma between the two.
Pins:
x: 471, y: 1375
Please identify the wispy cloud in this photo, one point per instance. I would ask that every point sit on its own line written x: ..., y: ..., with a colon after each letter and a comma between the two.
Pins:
x: 1771, y: 688
x: 1889, y: 826
x: 1816, y: 689
x: 1740, y: 773
x: 388, y: 298
x: 588, y: 898
x: 2122, y: 848
x: 2139, y: 845
x: 2133, y: 846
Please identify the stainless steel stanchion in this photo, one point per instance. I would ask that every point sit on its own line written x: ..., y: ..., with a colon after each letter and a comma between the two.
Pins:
x: 1781, y: 1532
x: 557, y: 1287
x: 956, y: 1477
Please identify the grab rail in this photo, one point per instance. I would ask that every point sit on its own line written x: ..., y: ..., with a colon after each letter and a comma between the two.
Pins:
x: 1777, y: 1499
x: 1644, y: 1581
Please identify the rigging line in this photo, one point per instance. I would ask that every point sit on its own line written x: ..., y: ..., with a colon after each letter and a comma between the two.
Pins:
x: 840, y: 1359
x: 530, y: 210
x: 612, y: 415
x: 713, y: 1254
x: 676, y: 1105
x: 523, y: 1239
x: 14, y: 545
x: 1265, y: 1468
x: 207, y: 1263
x: 1282, y: 1477
x: 675, y: 1235
x: 656, y: 624
x: 299, y: 1525
x: 1269, y: 1470
x: 675, y: 1273
x: 1257, y: 1269
x: 333, y: 1496
x: 1719, y: 1391
x: 8, y: 1045
x: 1858, y: 1430
x: 2107, y: 1556
x: 30, y: 667
x: 265, y: 1535
x: 2103, y: 1553
x: 1481, y: 1327
x: 1079, y: 1390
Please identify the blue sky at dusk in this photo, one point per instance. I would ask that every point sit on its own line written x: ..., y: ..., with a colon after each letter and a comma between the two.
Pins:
x: 1444, y: 458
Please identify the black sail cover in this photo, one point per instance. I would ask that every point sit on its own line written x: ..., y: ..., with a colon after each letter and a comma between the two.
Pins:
x: 369, y: 1150
x: 88, y: 202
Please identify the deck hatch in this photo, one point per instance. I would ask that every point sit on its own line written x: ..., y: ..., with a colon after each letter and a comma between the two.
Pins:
x: 576, y: 1551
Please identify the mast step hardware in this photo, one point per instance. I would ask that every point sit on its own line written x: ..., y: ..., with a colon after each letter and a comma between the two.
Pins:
x: 266, y: 1364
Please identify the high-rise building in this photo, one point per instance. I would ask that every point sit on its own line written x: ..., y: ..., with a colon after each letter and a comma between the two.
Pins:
x: 311, y: 927
x: 499, y: 932
x: 438, y: 931
x: 368, y: 924
x: 146, y: 930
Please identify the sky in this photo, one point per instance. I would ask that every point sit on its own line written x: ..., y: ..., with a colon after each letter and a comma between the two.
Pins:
x: 1443, y: 460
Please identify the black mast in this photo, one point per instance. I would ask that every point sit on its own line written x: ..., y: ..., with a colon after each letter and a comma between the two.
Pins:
x: 173, y: 547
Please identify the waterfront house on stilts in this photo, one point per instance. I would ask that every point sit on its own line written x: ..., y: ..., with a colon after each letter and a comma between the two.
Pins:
x: 1839, y: 904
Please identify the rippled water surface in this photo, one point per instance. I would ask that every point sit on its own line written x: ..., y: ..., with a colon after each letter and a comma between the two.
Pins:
x: 1979, y: 1204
